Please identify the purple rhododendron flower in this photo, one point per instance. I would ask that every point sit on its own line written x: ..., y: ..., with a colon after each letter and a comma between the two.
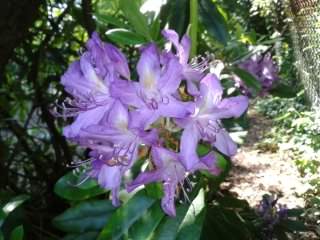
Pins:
x: 154, y: 96
x: 263, y: 69
x: 205, y: 122
x: 116, y: 116
x: 169, y: 170
x: 88, y: 81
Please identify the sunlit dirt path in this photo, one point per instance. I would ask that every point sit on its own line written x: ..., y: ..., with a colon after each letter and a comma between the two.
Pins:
x: 257, y: 172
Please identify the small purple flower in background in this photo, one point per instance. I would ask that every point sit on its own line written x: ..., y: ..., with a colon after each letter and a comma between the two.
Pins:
x: 263, y: 69
x: 271, y: 214
x: 205, y: 122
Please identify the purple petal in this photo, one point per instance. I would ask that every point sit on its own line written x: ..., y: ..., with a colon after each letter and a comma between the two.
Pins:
x: 119, y: 116
x: 143, y: 118
x: 167, y: 202
x: 171, y: 78
x: 224, y: 143
x: 186, y: 46
x: 118, y: 59
x: 209, y: 162
x: 85, y: 119
x: 97, y: 83
x: 148, y: 68
x: 232, y: 107
x: 144, y: 178
x: 74, y: 81
x: 149, y: 137
x: 126, y: 91
x: 182, y: 49
x: 188, y: 146
x: 115, y: 196
x: 211, y: 90
x: 175, y: 108
x: 110, y: 177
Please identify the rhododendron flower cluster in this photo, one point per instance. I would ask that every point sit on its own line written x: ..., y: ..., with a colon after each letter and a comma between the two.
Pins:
x: 263, y: 69
x: 115, y: 116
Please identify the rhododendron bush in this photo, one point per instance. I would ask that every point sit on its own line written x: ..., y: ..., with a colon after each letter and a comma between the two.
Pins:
x: 122, y: 120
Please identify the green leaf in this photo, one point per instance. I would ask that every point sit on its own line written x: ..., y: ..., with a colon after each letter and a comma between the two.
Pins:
x: 84, y: 217
x: 293, y: 225
x: 123, y: 36
x: 11, y: 206
x: 17, y: 233
x: 191, y: 226
x: 179, y: 16
x: 82, y: 236
x: 1, y: 236
x: 213, y: 21
x: 107, y: 19
x: 144, y: 227
x: 135, y: 17
x: 283, y: 91
x: 67, y: 188
x: 193, y: 26
x: 126, y: 215
x: 169, y: 227
x: 250, y: 81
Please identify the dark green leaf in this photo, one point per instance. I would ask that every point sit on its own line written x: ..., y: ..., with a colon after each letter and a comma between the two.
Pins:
x: 292, y: 225
x: 1, y: 236
x: 14, y: 203
x: 179, y: 16
x: 82, y: 236
x: 144, y: 227
x: 283, y: 91
x: 135, y: 17
x: 17, y: 233
x: 295, y: 212
x: 123, y: 36
x: 191, y: 226
x: 84, y: 217
x: 67, y: 188
x: 249, y: 80
x: 107, y: 19
x: 126, y: 215
x: 169, y: 227
x: 213, y: 21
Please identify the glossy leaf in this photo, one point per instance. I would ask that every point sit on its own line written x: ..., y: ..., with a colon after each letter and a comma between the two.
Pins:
x: 67, y: 188
x: 145, y: 226
x: 17, y: 233
x: 135, y: 17
x: 213, y: 21
x: 126, y: 215
x: 169, y: 226
x: 125, y: 37
x: 14, y: 203
x: 179, y: 16
x: 191, y: 226
x: 84, y: 217
x: 249, y: 80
